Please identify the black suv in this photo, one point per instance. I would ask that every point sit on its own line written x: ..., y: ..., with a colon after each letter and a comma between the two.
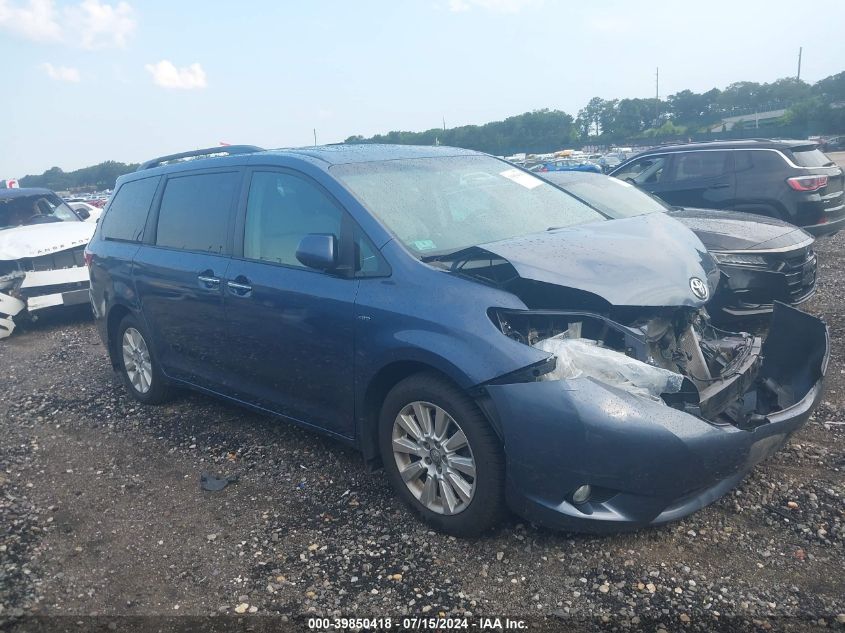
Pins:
x: 789, y: 180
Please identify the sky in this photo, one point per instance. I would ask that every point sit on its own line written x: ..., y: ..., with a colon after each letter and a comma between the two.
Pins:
x: 93, y: 80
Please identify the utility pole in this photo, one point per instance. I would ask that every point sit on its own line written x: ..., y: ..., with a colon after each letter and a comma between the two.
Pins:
x: 800, y: 50
x: 315, y: 137
x: 656, y: 96
x: 444, y: 123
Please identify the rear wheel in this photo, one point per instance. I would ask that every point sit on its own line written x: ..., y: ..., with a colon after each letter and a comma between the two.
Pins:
x: 138, y: 368
x: 441, y: 456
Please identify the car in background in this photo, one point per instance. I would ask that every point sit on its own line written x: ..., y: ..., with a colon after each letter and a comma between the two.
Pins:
x: 792, y: 181
x: 609, y: 162
x: 762, y: 260
x: 88, y: 212
x: 41, y: 254
x: 98, y: 201
x: 489, y: 339
x: 833, y: 144
x: 567, y: 164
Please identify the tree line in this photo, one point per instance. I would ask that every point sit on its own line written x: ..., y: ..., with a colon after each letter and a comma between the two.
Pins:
x: 817, y: 108
x: 96, y: 177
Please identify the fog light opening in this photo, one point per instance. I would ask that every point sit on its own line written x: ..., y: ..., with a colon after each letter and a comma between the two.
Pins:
x: 582, y: 494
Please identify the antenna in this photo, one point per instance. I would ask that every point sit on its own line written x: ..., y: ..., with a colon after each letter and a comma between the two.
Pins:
x: 315, y: 137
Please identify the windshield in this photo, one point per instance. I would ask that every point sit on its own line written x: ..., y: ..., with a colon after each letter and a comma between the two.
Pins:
x: 611, y: 196
x: 35, y: 209
x: 440, y: 205
x: 811, y: 158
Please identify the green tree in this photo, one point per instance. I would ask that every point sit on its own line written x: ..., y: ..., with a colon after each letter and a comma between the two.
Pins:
x: 96, y: 177
x: 739, y: 96
x: 589, y: 118
x: 831, y: 89
x: 691, y: 108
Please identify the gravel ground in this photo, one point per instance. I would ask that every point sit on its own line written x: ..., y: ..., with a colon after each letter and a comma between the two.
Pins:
x: 102, y: 514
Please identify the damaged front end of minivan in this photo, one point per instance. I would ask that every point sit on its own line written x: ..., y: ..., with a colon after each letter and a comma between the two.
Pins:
x: 654, y: 419
x: 678, y: 358
x: 642, y: 414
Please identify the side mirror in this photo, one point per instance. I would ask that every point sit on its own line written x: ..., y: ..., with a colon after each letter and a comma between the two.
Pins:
x: 83, y: 213
x: 318, y: 250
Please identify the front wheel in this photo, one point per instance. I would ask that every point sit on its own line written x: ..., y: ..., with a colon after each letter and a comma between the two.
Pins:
x: 138, y: 367
x: 441, y: 456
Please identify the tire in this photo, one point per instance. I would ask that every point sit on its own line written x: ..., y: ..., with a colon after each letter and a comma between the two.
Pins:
x: 147, y: 385
x: 441, y: 488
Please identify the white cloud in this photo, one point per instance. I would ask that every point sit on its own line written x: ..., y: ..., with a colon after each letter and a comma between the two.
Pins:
x: 61, y: 73
x: 101, y: 25
x: 36, y: 20
x: 91, y: 24
x: 166, y: 75
x: 495, y: 6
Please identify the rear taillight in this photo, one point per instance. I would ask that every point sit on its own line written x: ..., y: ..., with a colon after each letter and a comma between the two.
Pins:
x: 807, y: 183
x: 89, y: 258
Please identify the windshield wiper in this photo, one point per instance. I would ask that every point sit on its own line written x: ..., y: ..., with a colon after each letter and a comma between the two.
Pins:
x: 437, y: 258
x: 447, y: 255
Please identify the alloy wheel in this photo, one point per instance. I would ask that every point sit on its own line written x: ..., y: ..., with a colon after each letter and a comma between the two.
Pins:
x: 136, y: 360
x: 434, y: 458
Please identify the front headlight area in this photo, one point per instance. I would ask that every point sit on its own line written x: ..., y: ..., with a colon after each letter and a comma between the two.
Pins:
x: 746, y: 260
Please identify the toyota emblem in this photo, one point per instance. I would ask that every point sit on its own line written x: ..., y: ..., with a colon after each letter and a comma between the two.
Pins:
x: 699, y: 288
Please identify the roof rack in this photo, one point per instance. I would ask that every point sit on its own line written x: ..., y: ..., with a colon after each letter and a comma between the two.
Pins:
x: 229, y: 150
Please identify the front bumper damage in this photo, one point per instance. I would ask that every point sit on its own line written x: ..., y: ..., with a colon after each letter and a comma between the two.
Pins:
x: 10, y: 305
x: 38, y: 289
x: 646, y: 461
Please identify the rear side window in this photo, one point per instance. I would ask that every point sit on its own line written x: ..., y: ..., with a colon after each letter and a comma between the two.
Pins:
x: 810, y: 158
x: 195, y: 212
x: 764, y: 160
x: 700, y: 165
x: 127, y: 214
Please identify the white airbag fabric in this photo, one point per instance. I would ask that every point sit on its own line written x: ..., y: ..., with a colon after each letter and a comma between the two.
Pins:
x: 578, y: 357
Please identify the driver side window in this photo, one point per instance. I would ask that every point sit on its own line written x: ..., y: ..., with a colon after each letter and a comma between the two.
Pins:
x: 281, y: 210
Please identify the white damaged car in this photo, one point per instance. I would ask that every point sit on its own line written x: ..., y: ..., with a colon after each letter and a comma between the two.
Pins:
x: 42, y: 243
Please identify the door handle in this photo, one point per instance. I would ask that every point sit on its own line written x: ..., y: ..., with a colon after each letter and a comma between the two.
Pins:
x: 241, y: 287
x: 720, y: 185
x: 207, y: 280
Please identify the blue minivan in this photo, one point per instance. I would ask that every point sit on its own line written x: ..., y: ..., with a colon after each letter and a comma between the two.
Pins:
x: 490, y: 340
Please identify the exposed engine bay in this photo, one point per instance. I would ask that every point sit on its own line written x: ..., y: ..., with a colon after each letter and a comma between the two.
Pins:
x: 673, y: 355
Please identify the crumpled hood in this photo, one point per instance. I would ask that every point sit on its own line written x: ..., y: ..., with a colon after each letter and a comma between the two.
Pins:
x: 734, y: 231
x: 35, y: 240
x: 646, y: 260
